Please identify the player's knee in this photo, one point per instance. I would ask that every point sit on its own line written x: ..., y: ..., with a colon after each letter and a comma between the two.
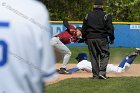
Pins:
x: 69, y: 53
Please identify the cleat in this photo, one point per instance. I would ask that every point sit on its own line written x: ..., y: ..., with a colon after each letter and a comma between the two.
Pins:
x: 63, y: 71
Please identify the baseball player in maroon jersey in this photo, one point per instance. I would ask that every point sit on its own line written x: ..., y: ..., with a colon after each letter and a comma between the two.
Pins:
x: 68, y: 36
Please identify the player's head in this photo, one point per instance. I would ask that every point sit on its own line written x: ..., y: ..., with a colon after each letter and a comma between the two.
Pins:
x: 79, y: 31
x: 98, y: 4
x: 81, y: 56
x: 79, y: 28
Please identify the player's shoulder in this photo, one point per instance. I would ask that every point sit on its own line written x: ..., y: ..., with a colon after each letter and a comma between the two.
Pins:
x: 83, y: 62
x: 28, y: 5
x: 36, y: 6
x: 106, y: 15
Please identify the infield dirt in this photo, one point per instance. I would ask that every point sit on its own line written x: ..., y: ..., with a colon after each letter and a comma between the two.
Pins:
x: 133, y: 71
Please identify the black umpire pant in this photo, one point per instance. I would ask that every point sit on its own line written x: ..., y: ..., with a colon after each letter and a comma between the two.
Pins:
x: 99, y: 55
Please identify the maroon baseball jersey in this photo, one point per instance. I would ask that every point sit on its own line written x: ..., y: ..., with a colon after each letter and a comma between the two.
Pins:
x: 67, y: 37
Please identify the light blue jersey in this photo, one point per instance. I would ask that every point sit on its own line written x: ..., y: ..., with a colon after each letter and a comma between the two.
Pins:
x: 26, y: 56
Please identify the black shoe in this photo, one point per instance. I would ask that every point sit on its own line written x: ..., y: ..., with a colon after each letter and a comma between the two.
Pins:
x: 95, y: 77
x: 57, y: 70
x: 102, y: 77
x: 63, y: 71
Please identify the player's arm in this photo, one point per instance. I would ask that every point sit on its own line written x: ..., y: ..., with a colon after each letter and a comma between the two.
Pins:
x: 75, y: 69
x: 84, y: 27
x: 110, y: 28
x: 81, y: 40
x: 66, y: 24
x: 70, y: 28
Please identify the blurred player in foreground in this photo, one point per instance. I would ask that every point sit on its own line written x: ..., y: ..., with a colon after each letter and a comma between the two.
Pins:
x: 84, y: 64
x: 26, y: 56
x: 68, y: 36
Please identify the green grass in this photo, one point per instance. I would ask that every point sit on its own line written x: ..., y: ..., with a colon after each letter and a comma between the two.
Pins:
x: 86, y: 85
x: 82, y: 85
x: 116, y: 54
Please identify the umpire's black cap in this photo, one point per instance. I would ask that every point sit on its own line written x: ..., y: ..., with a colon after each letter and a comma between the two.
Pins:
x: 98, y: 4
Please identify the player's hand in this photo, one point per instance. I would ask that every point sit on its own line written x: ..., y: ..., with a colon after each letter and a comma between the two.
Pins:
x: 111, y: 39
x: 111, y: 42
x: 85, y: 41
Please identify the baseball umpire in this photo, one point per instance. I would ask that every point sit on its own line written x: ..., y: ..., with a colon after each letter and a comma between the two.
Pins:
x: 97, y: 28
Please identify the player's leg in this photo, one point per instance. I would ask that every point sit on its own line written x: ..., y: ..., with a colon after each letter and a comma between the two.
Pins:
x: 121, y: 65
x: 63, y: 50
x: 132, y: 57
x: 54, y: 41
x: 126, y: 62
x: 129, y: 61
x: 112, y: 68
x: 67, y: 54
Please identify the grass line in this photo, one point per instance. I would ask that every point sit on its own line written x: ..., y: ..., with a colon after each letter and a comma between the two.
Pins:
x: 82, y: 85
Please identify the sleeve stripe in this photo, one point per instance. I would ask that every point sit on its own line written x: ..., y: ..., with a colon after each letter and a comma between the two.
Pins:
x: 4, y: 24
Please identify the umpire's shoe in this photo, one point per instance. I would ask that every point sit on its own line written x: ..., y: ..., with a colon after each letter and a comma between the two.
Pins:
x: 63, y: 71
x: 103, y: 77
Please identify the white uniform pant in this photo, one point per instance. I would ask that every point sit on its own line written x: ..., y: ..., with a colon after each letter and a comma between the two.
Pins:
x: 86, y: 65
x: 63, y: 49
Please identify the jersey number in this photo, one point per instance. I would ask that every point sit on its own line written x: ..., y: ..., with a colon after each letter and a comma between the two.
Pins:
x: 3, y: 57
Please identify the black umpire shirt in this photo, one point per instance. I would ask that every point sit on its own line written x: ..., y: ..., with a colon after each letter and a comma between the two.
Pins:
x: 98, y: 24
